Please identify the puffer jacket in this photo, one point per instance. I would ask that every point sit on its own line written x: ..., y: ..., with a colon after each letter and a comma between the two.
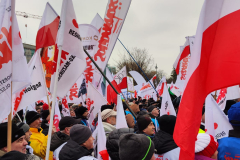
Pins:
x: 73, y: 151
x: 39, y: 143
x: 112, y: 142
x: 58, y: 138
x: 163, y: 142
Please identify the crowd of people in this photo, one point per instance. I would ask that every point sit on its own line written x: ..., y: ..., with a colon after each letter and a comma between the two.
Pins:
x: 149, y: 136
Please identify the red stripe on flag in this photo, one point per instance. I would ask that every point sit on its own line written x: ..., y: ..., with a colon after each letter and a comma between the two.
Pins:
x: 185, y: 53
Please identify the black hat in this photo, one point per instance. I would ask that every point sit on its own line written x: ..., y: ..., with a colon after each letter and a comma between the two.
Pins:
x: 16, y: 133
x: 31, y: 117
x: 143, y: 122
x: 135, y: 146
x: 106, y: 107
x: 80, y: 111
x: 68, y: 122
x: 80, y: 133
x: 167, y: 123
x: 150, y: 108
x: 45, y: 114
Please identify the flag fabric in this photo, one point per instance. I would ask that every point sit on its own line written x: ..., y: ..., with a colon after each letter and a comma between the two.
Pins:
x: 114, y: 18
x: 121, y: 78
x: 135, y: 94
x: 33, y: 92
x: 73, y: 62
x: 216, y: 122
x: 97, y: 22
x: 94, y: 102
x: 160, y: 86
x: 215, y: 55
x: 233, y: 92
x: 57, y: 117
x: 222, y: 98
x: 166, y: 105
x: 65, y: 108
x: 147, y: 91
x: 121, y: 120
x: 47, y: 32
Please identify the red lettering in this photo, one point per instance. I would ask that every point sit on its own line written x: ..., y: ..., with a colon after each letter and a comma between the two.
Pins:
x: 64, y: 102
x: 89, y: 103
x: 88, y: 71
x: 17, y: 101
x: 222, y: 94
x: 73, y: 92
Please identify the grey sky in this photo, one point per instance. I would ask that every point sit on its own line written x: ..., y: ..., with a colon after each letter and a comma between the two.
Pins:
x: 160, y: 26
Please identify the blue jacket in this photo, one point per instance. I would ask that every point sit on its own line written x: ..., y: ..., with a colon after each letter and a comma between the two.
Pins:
x: 229, y: 148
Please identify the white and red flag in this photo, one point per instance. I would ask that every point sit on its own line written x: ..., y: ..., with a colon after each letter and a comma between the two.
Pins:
x: 114, y: 18
x: 216, y: 122
x: 65, y: 108
x: 166, y: 106
x: 215, y: 55
x: 48, y: 28
x: 94, y: 102
x: 97, y: 22
x: 222, y: 98
x: 57, y: 116
x: 160, y: 86
x: 121, y: 119
x: 121, y: 78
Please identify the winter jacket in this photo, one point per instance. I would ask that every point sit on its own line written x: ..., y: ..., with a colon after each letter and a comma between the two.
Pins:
x: 108, y: 128
x: 170, y: 155
x: 39, y: 143
x: 45, y: 127
x: 58, y: 138
x: 229, y: 147
x: 2, y: 153
x: 164, y: 142
x: 87, y: 158
x: 112, y: 142
x: 73, y: 151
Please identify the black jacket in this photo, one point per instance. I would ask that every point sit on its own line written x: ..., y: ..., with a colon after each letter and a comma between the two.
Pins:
x: 58, y: 138
x: 163, y: 142
x: 112, y: 142
x: 73, y: 151
x: 45, y: 127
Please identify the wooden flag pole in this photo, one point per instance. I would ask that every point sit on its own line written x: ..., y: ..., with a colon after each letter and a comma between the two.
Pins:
x: 9, y: 134
x: 108, y: 81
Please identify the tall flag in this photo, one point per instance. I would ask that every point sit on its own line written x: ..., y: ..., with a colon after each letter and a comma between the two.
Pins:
x: 11, y: 50
x: 147, y: 91
x: 73, y: 61
x: 57, y: 117
x: 33, y: 92
x: 166, y: 106
x: 160, y: 86
x: 114, y: 18
x: 216, y: 122
x: 121, y: 120
x: 97, y: 22
x: 121, y: 78
x: 215, y: 55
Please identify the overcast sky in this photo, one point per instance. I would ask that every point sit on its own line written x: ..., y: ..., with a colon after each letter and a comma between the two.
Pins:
x: 160, y: 26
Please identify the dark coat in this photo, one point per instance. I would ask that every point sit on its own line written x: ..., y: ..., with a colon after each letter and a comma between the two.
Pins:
x: 45, y: 127
x: 58, y: 138
x: 73, y: 151
x: 163, y: 142
x: 112, y: 142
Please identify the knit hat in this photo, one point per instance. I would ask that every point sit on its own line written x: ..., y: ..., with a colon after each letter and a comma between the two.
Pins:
x: 150, y: 108
x: 80, y: 111
x: 68, y: 122
x: 167, y: 123
x: 45, y: 106
x: 108, y: 113
x: 16, y: 133
x: 143, y: 122
x: 80, y: 133
x: 45, y: 114
x: 25, y: 127
x: 106, y: 107
x: 205, y: 145
x: 135, y: 146
x: 31, y: 117
x: 234, y: 114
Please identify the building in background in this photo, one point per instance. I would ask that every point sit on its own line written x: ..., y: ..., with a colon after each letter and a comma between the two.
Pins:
x: 28, y: 50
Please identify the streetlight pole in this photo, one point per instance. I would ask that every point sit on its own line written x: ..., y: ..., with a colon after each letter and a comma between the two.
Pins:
x: 156, y: 72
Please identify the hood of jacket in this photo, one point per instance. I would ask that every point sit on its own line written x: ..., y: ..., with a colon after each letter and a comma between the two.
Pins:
x: 112, y: 142
x: 73, y: 151
x: 58, y: 138
x: 163, y: 142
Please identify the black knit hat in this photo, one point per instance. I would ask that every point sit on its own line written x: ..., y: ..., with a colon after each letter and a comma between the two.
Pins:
x: 80, y: 133
x: 45, y: 114
x: 150, y: 108
x: 143, y: 122
x: 68, y: 122
x: 106, y: 107
x: 80, y: 111
x: 167, y: 123
x: 135, y: 147
x: 32, y: 116
x: 16, y: 133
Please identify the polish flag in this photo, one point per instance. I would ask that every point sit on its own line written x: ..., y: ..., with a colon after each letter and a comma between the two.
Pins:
x: 215, y: 55
x: 216, y: 122
x: 48, y: 28
x: 121, y: 78
x: 121, y: 119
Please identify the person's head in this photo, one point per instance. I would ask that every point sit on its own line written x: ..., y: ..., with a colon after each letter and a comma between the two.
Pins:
x: 109, y: 116
x: 234, y: 115
x: 82, y: 135
x: 82, y: 112
x: 66, y: 124
x: 33, y: 119
x: 18, y: 138
x: 25, y: 127
x: 167, y: 123
x: 153, y: 110
x: 135, y: 108
x: 136, y: 146
x: 145, y: 125
x: 38, y: 109
x: 205, y: 145
x: 46, y: 115
x: 72, y: 113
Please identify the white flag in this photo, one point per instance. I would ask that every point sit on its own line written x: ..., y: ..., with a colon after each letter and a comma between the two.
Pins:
x: 216, y: 122
x: 57, y: 116
x: 121, y: 120
x: 65, y: 108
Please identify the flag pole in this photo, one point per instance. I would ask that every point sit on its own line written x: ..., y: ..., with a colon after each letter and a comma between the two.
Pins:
x: 108, y: 80
x: 139, y: 67
x: 54, y: 103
